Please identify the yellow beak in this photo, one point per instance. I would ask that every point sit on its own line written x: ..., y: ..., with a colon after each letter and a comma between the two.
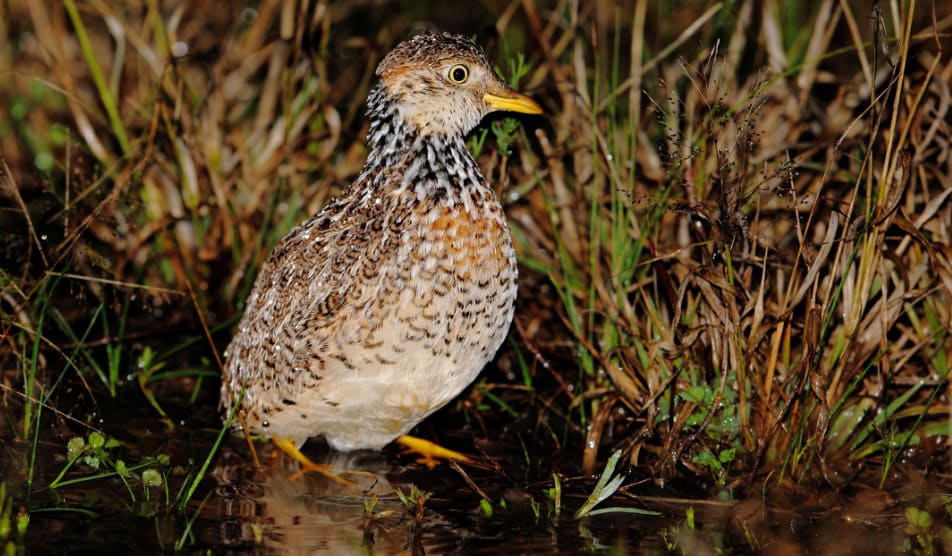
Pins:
x: 513, y: 102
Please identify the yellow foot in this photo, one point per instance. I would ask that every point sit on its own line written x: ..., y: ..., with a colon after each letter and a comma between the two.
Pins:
x: 287, y: 446
x: 431, y: 453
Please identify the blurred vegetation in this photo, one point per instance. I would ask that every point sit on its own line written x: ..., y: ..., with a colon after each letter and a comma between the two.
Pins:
x: 733, y: 221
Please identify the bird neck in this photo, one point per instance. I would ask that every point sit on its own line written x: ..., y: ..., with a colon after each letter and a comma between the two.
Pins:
x: 431, y: 166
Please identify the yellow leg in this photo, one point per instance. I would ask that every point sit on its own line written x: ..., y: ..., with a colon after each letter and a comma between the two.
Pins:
x: 431, y: 452
x: 288, y: 447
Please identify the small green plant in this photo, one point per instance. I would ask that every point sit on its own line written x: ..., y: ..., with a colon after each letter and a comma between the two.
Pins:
x: 192, y: 481
x: 97, y: 453
x: 555, y: 497
x: 688, y: 538
x: 370, y: 506
x: 536, y: 508
x: 703, y: 396
x: 188, y: 536
x: 670, y: 536
x: 148, y: 367
x: 718, y: 463
x: 919, y: 525
x: 110, y: 374
x: 606, y: 486
x: 723, y: 423
x: 925, y: 534
x: 487, y: 508
x: 371, y: 513
x: 414, y: 501
x: 12, y: 527
x: 151, y: 478
x: 505, y: 129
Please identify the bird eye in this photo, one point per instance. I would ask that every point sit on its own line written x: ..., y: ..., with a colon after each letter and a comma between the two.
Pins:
x: 459, y: 73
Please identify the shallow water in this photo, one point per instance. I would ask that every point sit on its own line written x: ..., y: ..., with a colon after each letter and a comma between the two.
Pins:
x: 314, y: 514
x: 241, y: 509
x: 238, y: 508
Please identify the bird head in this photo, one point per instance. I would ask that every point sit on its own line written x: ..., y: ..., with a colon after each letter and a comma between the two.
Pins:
x: 444, y: 84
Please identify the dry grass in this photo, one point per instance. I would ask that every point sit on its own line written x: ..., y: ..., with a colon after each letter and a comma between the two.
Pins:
x: 734, y: 225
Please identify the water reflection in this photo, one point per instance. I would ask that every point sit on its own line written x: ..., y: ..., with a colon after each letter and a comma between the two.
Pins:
x: 266, y: 511
x: 269, y: 511
x: 278, y: 510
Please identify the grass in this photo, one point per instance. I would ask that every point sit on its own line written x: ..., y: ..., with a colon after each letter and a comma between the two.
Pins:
x: 732, y: 225
x: 12, y: 526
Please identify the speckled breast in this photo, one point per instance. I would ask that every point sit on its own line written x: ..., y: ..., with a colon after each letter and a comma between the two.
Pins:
x: 466, y: 284
x: 431, y: 320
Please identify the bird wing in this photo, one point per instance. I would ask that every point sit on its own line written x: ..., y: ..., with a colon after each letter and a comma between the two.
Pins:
x: 312, y: 293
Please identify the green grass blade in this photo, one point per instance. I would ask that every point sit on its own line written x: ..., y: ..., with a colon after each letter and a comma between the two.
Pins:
x: 108, y: 101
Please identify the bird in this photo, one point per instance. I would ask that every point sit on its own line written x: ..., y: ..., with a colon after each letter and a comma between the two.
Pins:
x: 385, y: 305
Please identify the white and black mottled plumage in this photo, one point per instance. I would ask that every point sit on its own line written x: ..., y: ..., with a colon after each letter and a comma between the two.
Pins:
x: 383, y: 307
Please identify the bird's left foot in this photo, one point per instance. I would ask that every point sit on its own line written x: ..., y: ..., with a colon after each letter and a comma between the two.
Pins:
x: 430, y: 453
x: 287, y: 446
